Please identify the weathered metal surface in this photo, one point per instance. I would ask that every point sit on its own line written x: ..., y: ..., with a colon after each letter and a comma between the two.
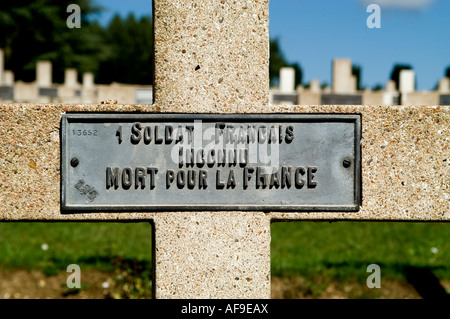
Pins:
x: 173, y: 162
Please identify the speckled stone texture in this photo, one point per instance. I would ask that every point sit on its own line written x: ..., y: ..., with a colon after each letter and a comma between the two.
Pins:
x: 212, y: 255
x: 405, y: 153
x: 405, y: 162
x: 211, y: 55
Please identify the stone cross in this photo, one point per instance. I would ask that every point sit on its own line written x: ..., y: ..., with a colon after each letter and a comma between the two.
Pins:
x: 213, y: 57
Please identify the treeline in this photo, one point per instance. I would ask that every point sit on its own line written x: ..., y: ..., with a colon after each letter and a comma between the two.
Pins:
x: 32, y: 30
x: 120, y: 51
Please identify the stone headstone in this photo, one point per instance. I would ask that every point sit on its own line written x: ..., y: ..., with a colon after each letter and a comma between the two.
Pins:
x: 144, y: 96
x: 287, y: 80
x: 342, y: 76
x: 88, y: 80
x: 44, y: 74
x: 44, y: 81
x: 390, y: 86
x: 70, y: 78
x: 8, y: 78
x: 406, y: 81
x: 444, y: 85
x: 314, y: 86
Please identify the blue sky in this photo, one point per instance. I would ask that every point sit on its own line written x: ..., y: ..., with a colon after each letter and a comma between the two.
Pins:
x: 314, y: 32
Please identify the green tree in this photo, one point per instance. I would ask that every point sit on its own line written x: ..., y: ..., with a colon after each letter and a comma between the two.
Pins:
x: 131, y: 51
x: 356, y: 71
x: 324, y: 85
x: 277, y: 61
x: 377, y: 87
x: 447, y: 72
x: 32, y: 30
x: 298, y: 73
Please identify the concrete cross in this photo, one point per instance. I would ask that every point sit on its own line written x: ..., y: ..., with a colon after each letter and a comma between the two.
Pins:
x: 213, y: 57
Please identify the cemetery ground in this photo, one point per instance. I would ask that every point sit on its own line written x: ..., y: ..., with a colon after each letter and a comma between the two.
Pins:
x: 308, y: 259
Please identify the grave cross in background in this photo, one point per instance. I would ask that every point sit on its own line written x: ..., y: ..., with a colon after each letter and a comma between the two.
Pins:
x: 213, y: 57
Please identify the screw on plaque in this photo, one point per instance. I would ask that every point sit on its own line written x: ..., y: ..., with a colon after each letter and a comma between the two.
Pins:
x: 347, y: 162
x: 74, y: 162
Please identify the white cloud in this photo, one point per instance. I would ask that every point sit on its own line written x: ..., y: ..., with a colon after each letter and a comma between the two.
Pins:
x: 414, y: 5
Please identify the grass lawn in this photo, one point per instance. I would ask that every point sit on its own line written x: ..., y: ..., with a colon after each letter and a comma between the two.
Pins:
x: 343, y: 250
x: 51, y: 247
x: 316, y: 251
x: 340, y: 249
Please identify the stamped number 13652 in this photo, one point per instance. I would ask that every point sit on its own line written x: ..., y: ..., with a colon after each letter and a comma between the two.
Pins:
x: 84, y: 132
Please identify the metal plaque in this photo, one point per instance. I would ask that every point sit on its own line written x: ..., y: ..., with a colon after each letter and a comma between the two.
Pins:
x: 7, y: 92
x: 444, y: 99
x: 341, y: 99
x: 175, y: 162
x: 50, y: 92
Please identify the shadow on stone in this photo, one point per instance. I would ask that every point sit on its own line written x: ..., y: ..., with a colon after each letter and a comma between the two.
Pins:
x: 426, y: 283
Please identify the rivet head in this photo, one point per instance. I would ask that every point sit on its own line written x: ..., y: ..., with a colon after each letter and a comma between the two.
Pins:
x: 347, y: 162
x: 74, y: 162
